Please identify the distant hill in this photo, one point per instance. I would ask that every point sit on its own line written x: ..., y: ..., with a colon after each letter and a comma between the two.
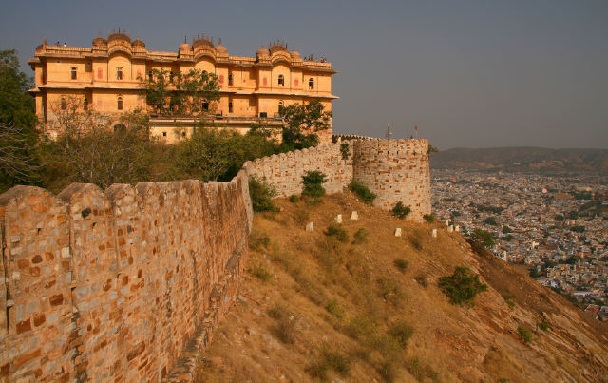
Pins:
x: 352, y: 302
x: 533, y: 159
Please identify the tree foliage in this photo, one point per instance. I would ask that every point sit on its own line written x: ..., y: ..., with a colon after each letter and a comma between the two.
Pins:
x: 462, y: 286
x: 313, y: 184
x: 18, y: 135
x: 100, y: 155
x: 302, y: 122
x: 181, y: 94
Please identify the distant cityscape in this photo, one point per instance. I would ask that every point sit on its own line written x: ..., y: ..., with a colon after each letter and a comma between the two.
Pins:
x: 556, y: 225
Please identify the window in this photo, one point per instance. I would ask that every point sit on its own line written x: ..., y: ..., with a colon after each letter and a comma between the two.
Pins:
x: 73, y: 73
x: 171, y: 76
x: 86, y: 103
x: 164, y: 134
x: 230, y: 107
x: 230, y: 79
x: 311, y: 83
x: 281, y: 81
x: 281, y: 105
x: 120, y: 103
x: 205, y: 106
x: 119, y: 75
x: 64, y: 103
x: 150, y: 76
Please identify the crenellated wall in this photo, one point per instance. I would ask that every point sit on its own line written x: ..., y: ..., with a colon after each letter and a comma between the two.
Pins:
x: 396, y: 170
x: 110, y: 285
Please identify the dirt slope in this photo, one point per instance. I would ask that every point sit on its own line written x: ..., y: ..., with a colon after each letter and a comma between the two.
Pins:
x: 368, y: 308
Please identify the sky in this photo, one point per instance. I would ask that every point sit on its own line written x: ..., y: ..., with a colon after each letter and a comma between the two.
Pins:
x: 468, y: 73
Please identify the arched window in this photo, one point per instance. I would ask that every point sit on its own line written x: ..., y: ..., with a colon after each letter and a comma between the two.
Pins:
x: 230, y: 79
x: 311, y: 83
x: 120, y: 103
x: 281, y: 80
x: 281, y: 105
x: 230, y: 107
x: 119, y: 73
x: 205, y: 106
x: 150, y: 76
x: 64, y: 103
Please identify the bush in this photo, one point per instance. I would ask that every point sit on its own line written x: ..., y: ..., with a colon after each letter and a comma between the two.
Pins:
x: 260, y: 272
x: 360, y: 236
x: 462, y: 286
x: 430, y: 218
x: 484, y: 237
x: 401, y: 332
x: 400, y: 210
x: 401, y: 264
x: 261, y: 195
x: 525, y: 333
x: 362, y: 191
x: 544, y: 325
x: 416, y: 243
x: 313, y: 181
x: 336, y: 231
x: 285, y: 329
x: 329, y: 360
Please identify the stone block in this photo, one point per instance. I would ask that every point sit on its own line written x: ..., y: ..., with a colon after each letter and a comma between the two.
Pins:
x: 309, y: 226
x: 354, y: 216
x: 339, y: 218
x: 434, y: 233
x: 398, y: 232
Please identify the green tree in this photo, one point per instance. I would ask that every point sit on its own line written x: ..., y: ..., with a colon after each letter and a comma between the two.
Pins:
x: 18, y: 135
x: 313, y: 184
x: 188, y: 94
x: 98, y: 154
x: 302, y: 122
x: 462, y: 286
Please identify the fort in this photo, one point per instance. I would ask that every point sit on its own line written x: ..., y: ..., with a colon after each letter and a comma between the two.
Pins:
x: 129, y: 283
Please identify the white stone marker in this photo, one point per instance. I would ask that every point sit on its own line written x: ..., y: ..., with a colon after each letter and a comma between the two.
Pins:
x: 457, y: 228
x: 434, y: 233
x: 450, y: 229
x: 398, y: 232
x: 309, y: 226
x: 339, y: 218
x: 354, y: 216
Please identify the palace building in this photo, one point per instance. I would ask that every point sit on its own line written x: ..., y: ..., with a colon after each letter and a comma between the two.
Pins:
x: 107, y: 77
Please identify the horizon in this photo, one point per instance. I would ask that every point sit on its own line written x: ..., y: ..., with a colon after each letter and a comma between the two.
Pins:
x: 476, y: 74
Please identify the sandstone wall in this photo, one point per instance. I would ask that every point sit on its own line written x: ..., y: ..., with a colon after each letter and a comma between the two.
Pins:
x: 396, y: 170
x: 109, y: 286
x: 284, y: 171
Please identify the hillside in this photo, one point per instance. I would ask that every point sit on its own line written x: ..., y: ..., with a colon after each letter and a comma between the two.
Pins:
x: 523, y: 159
x: 368, y: 308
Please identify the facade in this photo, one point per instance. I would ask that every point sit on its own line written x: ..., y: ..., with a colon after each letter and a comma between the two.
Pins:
x: 106, y: 77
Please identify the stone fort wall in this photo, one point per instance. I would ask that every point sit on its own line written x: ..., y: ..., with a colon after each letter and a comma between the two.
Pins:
x: 395, y: 170
x: 114, y: 285
x: 111, y: 285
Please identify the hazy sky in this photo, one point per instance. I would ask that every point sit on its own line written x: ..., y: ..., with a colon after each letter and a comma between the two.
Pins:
x: 468, y: 73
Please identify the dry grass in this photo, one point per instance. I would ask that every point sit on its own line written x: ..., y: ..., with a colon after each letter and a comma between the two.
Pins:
x: 318, y: 307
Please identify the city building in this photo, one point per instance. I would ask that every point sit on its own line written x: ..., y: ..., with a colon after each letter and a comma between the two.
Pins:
x: 107, y: 77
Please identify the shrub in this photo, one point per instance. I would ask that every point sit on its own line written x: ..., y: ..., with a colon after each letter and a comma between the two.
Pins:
x: 430, y: 218
x: 401, y: 332
x: 260, y: 272
x: 462, y: 286
x: 336, y: 231
x: 257, y: 242
x: 313, y: 181
x: 400, y: 210
x: 345, y: 150
x: 261, y: 195
x: 401, y: 264
x: 525, y: 333
x: 334, y: 309
x: 285, y: 326
x: 416, y: 243
x: 484, y: 237
x: 294, y: 198
x: 544, y: 325
x: 329, y: 360
x: 360, y: 236
x: 362, y: 191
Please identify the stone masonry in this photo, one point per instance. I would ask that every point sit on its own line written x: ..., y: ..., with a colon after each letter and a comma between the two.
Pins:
x: 128, y: 284
x: 395, y: 170
x: 110, y: 285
